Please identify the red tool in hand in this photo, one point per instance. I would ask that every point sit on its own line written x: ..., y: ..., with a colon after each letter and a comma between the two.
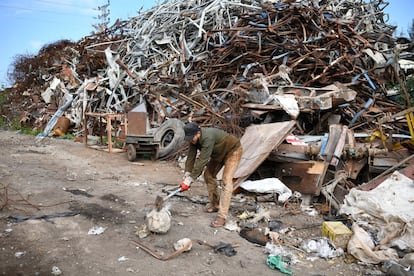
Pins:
x: 184, y: 186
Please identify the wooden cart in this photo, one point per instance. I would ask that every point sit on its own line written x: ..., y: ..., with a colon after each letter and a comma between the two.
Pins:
x: 142, y: 145
x: 138, y: 142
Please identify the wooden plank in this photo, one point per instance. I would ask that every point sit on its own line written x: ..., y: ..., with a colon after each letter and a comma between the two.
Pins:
x: 108, y: 120
x: 262, y: 106
x: 257, y: 142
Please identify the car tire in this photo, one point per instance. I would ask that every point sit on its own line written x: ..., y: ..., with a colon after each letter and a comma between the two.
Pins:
x: 131, y: 152
x: 170, y: 135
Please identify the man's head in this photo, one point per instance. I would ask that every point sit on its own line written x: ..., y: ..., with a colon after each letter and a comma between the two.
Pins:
x: 190, y: 130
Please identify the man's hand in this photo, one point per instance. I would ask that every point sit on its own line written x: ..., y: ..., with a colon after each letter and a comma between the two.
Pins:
x: 186, y: 174
x: 185, y: 185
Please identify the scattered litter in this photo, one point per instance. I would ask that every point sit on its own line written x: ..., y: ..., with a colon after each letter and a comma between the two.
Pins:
x: 96, y: 230
x: 362, y: 247
x: 245, y: 215
x: 255, y: 235
x: 276, y: 249
x: 275, y: 225
x: 389, y: 202
x: 309, y: 210
x: 135, y: 184
x: 183, y: 243
x: 20, y: 254
x: 56, y: 270
x: 122, y: 259
x: 223, y: 248
x: 294, y: 140
x: 337, y: 232
x: 142, y: 231
x: 268, y: 185
x: 186, y: 246
x: 323, y: 248
x: 277, y: 262
x: 231, y: 225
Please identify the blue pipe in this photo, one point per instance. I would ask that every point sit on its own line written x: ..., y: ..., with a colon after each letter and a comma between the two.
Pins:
x: 366, y: 106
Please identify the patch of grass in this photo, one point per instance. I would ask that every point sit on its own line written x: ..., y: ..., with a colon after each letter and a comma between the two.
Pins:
x: 3, y: 98
x: 69, y: 136
x: 15, y: 125
x: 2, y: 122
x: 29, y: 131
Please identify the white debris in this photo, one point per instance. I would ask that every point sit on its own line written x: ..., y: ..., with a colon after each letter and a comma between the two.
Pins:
x: 268, y: 185
x: 183, y: 243
x: 96, y: 230
x: 385, y: 210
x: 20, y: 254
x: 159, y: 221
x: 309, y: 210
x: 362, y: 247
x: 289, y: 104
x: 322, y: 247
x: 232, y: 226
x: 142, y: 231
x: 56, y: 270
x: 122, y: 259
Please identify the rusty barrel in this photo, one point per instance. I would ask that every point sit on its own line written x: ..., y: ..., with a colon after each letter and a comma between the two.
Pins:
x: 61, y: 126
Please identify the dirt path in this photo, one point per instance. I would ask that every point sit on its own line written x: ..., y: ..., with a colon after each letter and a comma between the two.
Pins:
x: 71, y: 189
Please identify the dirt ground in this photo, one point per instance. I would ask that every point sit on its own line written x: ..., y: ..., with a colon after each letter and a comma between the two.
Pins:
x: 54, y: 191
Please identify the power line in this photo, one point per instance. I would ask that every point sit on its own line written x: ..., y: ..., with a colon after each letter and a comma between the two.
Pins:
x: 59, y: 3
x: 43, y: 11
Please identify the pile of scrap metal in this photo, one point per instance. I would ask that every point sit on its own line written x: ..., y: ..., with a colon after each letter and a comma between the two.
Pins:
x: 229, y: 64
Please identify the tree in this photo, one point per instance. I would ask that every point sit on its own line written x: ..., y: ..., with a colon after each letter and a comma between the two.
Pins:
x: 411, y: 31
x: 20, y: 68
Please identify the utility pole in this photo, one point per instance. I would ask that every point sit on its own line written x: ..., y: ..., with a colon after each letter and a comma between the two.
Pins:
x: 103, y: 18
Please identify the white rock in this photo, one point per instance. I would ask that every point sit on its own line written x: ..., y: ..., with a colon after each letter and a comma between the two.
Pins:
x: 159, y: 221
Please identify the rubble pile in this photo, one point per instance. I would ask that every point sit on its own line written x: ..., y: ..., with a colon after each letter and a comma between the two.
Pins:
x: 222, y: 63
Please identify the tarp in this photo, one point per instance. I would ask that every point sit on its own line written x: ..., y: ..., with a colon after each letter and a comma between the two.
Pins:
x: 386, y: 211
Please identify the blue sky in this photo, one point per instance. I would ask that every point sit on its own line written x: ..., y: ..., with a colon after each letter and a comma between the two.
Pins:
x: 27, y: 25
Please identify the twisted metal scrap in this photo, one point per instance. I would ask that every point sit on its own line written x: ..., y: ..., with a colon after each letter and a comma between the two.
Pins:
x: 208, y: 54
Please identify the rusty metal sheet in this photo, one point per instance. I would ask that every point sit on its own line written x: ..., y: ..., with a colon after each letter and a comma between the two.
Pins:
x: 257, y: 142
x: 137, y: 121
x: 304, y: 177
x: 354, y: 167
x: 289, y: 153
